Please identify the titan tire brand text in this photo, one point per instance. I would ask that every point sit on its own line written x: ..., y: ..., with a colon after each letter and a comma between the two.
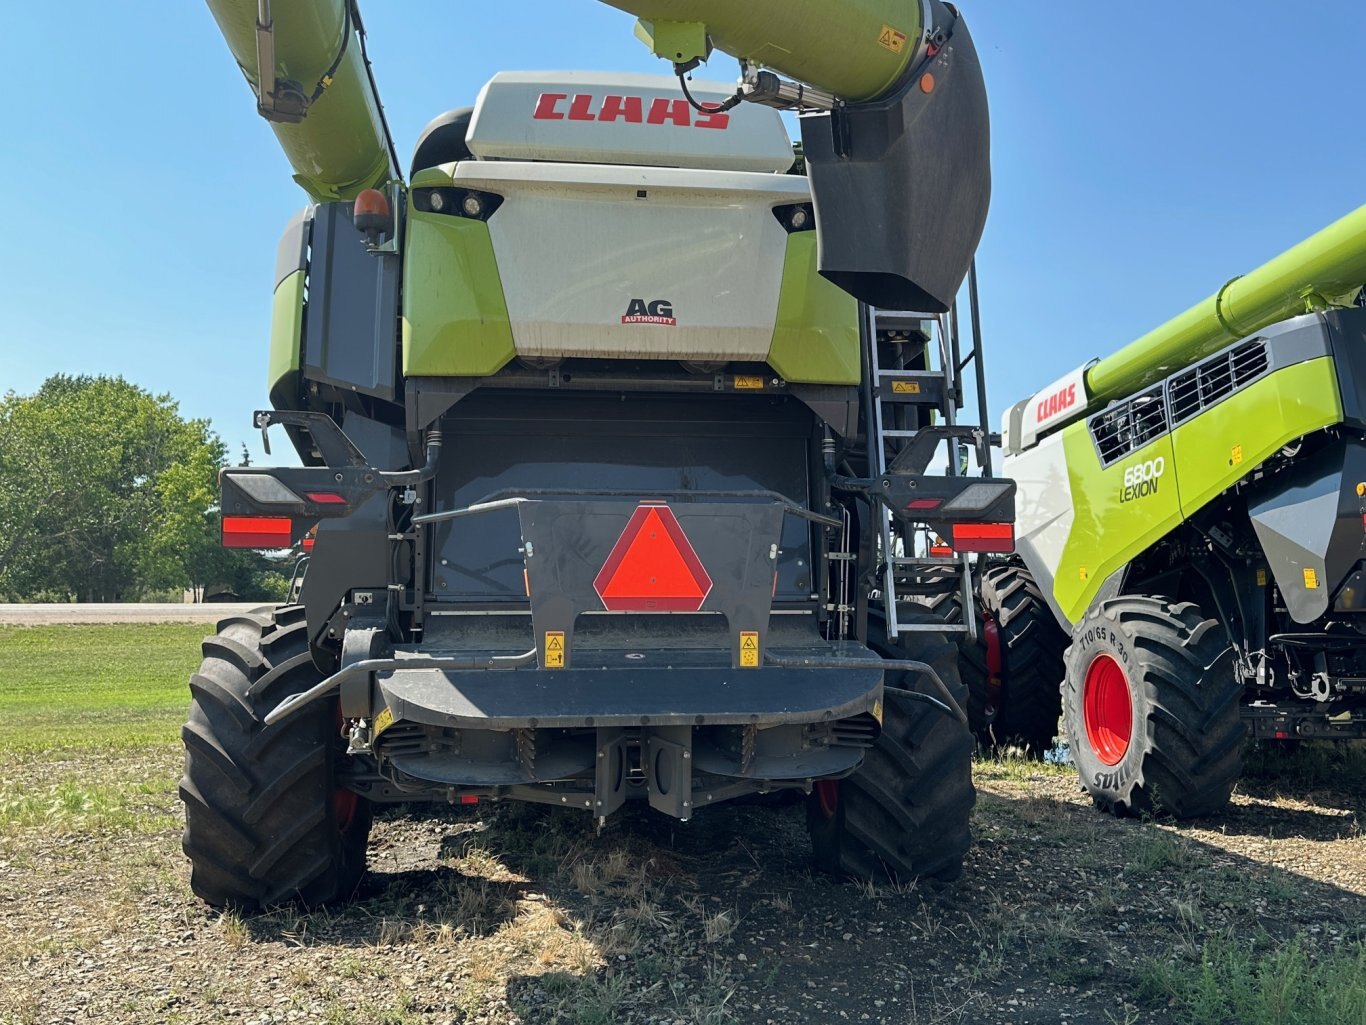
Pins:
x: 1113, y: 644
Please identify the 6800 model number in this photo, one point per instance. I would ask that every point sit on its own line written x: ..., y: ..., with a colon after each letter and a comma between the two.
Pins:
x: 1141, y: 479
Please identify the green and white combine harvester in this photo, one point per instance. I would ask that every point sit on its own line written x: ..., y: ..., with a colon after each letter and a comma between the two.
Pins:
x: 615, y: 473
x: 1192, y: 541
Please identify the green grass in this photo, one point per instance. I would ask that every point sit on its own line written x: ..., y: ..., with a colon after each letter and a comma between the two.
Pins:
x: 94, y: 688
x: 72, y: 806
x: 1290, y: 984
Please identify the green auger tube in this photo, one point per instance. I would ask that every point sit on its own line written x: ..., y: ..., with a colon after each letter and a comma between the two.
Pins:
x: 323, y: 108
x: 1324, y: 271
x: 327, y: 116
x: 856, y: 49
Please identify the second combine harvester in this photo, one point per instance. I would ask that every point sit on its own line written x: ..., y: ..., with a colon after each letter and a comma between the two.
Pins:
x: 615, y: 470
x: 1193, y: 516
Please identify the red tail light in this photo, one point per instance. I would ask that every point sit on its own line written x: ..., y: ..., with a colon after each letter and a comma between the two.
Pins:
x: 984, y: 537
x: 257, y: 531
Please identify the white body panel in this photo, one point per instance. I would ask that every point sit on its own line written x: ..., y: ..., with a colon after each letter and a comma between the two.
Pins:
x: 592, y: 117
x: 581, y: 248
x: 1044, y: 509
x: 1061, y: 401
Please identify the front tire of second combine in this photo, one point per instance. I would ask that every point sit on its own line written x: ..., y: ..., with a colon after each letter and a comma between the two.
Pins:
x: 905, y: 813
x: 1152, y: 708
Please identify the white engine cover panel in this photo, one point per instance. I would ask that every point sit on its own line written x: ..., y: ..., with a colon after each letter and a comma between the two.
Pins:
x: 599, y: 118
x: 1044, y: 508
x: 637, y: 262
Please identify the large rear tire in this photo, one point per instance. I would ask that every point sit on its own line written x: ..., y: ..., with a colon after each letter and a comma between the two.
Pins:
x: 265, y: 821
x: 1017, y: 702
x: 905, y: 813
x: 1152, y: 708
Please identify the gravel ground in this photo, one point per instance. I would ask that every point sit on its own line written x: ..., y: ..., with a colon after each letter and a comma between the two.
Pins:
x: 525, y: 915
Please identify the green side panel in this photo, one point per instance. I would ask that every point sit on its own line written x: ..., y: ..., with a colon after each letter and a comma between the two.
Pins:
x: 1115, y: 522
x: 286, y: 335
x: 455, y: 319
x: 1111, y: 524
x: 856, y: 49
x: 815, y: 340
x: 1217, y: 448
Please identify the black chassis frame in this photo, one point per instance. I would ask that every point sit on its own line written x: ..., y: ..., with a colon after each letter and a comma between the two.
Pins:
x: 819, y: 704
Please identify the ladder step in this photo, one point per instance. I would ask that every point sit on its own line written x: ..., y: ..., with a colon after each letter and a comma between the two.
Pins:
x: 897, y: 321
x: 931, y: 628
x: 945, y: 561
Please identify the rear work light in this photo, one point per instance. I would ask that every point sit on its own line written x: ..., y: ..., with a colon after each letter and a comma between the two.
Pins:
x: 263, y: 488
x: 978, y: 497
x: 984, y: 537
x: 257, y: 531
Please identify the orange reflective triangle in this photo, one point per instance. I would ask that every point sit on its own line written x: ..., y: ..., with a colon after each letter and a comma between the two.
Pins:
x: 652, y: 566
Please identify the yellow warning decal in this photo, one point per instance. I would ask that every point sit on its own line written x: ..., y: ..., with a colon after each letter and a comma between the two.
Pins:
x: 905, y: 387
x: 890, y: 39
x: 746, y: 383
x: 1236, y: 455
x: 749, y: 649
x: 1261, y: 577
x: 382, y: 722
x: 1311, y: 578
x: 877, y: 711
x: 1081, y: 573
x: 554, y: 649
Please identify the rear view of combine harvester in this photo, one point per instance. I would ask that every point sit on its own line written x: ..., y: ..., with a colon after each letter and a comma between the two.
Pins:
x: 1193, y: 515
x: 616, y: 470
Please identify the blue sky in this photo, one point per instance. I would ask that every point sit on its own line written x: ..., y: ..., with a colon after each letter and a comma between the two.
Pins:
x: 1143, y: 154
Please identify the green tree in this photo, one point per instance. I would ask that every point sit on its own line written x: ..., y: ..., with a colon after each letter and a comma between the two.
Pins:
x: 106, y: 493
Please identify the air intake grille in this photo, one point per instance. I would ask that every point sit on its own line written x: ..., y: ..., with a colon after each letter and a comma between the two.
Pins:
x: 1129, y: 425
x: 1196, y: 389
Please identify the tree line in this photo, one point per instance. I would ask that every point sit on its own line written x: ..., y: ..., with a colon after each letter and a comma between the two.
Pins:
x: 108, y: 494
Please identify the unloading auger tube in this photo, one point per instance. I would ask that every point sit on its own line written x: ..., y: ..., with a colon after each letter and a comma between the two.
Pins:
x: 895, y: 133
x: 1324, y: 271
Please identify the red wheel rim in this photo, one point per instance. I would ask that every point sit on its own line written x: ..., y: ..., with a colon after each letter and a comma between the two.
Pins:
x: 344, y: 808
x: 1106, y: 709
x: 991, y: 636
x: 828, y: 797
x: 344, y: 802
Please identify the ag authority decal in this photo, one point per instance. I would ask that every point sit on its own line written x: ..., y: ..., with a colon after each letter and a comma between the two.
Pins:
x: 1141, y: 480
x: 656, y: 311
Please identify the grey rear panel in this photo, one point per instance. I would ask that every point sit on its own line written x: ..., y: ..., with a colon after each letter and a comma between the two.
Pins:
x: 504, y: 444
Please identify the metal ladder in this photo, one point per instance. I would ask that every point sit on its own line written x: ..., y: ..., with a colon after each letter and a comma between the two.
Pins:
x: 931, y: 390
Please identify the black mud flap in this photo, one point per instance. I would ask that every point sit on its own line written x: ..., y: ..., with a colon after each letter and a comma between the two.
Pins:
x: 901, y: 185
